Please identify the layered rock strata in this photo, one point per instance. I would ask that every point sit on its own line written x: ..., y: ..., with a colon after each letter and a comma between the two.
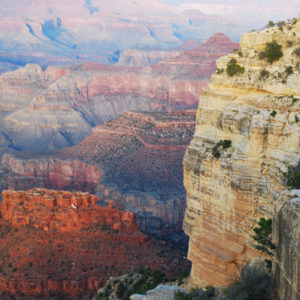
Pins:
x: 61, y: 244
x: 58, y: 107
x: 247, y: 133
x: 286, y: 232
x: 134, y: 160
x: 144, y: 57
x: 19, y: 174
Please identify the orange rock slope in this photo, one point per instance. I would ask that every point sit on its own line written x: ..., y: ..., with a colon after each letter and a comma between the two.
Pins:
x: 57, y: 243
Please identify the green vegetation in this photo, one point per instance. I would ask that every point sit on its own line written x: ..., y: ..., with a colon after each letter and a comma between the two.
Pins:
x: 273, y: 51
x: 281, y: 23
x: 181, y: 296
x: 217, y: 154
x: 273, y: 113
x: 121, y: 289
x: 181, y: 275
x: 220, y: 71
x: 254, y: 284
x: 289, y: 43
x: 263, y: 236
x: 289, y: 70
x: 139, y: 283
x: 226, y: 144
x: 233, y: 68
x: 221, y: 145
x: 147, y: 282
x: 197, y: 294
x: 292, y: 176
x: 264, y: 74
x: 271, y: 24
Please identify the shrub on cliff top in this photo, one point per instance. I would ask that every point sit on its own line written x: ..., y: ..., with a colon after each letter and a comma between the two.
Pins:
x: 273, y: 51
x: 233, y: 68
x: 289, y: 70
x: 264, y: 74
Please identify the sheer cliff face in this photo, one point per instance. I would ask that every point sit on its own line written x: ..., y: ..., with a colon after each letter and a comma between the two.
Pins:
x: 230, y: 185
x: 286, y: 233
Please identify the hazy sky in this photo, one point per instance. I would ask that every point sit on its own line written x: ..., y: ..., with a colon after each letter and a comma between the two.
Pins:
x: 254, y: 13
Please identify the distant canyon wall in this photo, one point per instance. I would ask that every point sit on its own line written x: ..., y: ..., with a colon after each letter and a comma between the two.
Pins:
x: 42, y: 110
x: 134, y: 160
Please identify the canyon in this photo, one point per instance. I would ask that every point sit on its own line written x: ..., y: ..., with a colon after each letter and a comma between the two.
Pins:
x: 62, y: 244
x: 57, y: 107
x: 247, y: 134
x: 134, y: 160
x: 138, y: 165
x: 78, y: 31
x: 94, y: 129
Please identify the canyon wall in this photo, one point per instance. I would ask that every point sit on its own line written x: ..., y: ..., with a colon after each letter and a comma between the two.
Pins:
x: 42, y: 110
x: 48, y: 173
x: 61, y: 244
x: 247, y: 134
x: 143, y: 57
x: 134, y: 160
x: 286, y: 233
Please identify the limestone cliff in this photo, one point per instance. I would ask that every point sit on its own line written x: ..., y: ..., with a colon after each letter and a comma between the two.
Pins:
x: 247, y: 133
x: 286, y: 233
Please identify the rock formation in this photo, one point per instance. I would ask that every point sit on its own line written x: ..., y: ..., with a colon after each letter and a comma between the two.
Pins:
x: 247, y: 133
x: 58, y: 107
x: 61, y: 244
x: 286, y: 232
x: 48, y: 33
x: 49, y: 173
x: 134, y: 160
x: 143, y: 57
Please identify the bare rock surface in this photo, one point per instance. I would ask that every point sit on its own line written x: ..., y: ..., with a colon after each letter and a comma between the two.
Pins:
x: 247, y: 134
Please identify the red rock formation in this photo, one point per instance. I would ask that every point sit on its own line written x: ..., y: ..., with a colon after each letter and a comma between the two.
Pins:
x: 49, y: 173
x: 62, y: 243
x: 139, y: 157
x: 68, y: 211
